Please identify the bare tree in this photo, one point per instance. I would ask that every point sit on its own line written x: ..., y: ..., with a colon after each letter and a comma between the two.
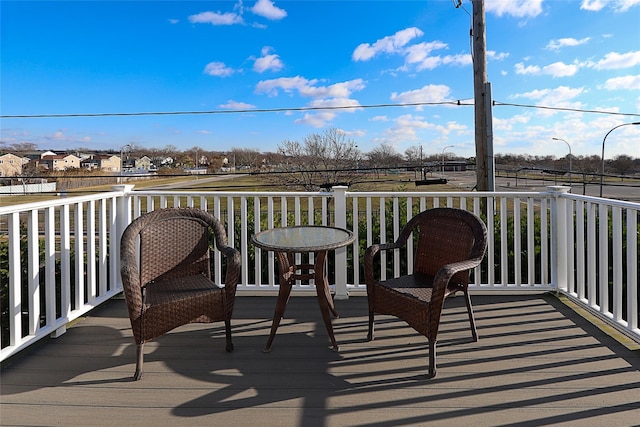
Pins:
x: 413, y: 154
x: 384, y: 156
x: 22, y: 147
x: 320, y: 160
x: 245, y: 158
x: 622, y: 164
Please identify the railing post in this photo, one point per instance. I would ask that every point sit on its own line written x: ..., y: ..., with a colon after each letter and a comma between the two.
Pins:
x: 559, y: 235
x: 123, y: 219
x: 340, y: 203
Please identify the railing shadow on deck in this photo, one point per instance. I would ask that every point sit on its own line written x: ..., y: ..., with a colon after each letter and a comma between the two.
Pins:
x: 535, y: 357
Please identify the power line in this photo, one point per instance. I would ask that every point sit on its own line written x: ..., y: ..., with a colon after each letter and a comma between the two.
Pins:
x: 576, y: 110
x: 459, y: 102
x: 248, y: 110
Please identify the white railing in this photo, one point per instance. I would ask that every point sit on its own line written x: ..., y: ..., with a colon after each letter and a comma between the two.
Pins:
x: 584, y: 247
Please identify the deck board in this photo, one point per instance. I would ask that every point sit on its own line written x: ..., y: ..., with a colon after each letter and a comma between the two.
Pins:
x: 536, y: 363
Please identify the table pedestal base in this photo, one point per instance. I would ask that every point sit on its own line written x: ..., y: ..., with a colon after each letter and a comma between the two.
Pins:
x: 289, y: 273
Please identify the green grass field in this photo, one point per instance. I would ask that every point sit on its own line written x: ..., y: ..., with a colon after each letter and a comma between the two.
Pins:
x: 240, y: 182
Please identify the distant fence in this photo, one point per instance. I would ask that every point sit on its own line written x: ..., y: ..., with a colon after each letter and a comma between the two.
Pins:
x: 28, y: 188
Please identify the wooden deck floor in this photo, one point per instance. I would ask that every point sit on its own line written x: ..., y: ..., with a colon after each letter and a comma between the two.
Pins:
x: 537, y: 363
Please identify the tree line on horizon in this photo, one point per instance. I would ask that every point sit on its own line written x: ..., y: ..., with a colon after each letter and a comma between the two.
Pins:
x: 333, y: 157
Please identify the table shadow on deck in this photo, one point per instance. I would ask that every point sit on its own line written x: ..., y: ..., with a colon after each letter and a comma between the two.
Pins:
x: 536, y: 363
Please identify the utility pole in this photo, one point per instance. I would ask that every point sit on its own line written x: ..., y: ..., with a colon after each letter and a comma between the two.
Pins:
x: 482, y: 102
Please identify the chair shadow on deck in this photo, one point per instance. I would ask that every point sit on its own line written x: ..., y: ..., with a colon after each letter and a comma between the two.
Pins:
x: 526, y: 359
x: 536, y: 363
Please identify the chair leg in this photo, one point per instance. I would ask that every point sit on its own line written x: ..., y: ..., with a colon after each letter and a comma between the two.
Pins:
x: 370, y: 333
x: 227, y: 327
x: 139, y: 360
x: 472, y: 320
x: 432, y: 359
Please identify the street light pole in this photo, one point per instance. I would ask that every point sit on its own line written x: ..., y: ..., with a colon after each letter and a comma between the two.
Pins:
x: 448, y: 146
x: 602, y: 158
x: 570, y: 156
x: 122, y: 160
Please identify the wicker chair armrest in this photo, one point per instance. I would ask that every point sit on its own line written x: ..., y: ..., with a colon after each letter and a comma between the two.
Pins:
x: 370, y: 255
x: 378, y: 247
x: 132, y: 287
x: 446, y: 272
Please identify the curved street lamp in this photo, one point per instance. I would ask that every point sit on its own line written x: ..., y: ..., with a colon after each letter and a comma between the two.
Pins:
x: 570, y: 156
x: 602, y: 158
x: 448, y: 146
x: 122, y: 160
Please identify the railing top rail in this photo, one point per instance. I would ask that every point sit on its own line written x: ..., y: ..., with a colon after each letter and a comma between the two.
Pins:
x: 610, y: 202
x: 5, y: 210
x: 446, y: 194
x: 231, y: 193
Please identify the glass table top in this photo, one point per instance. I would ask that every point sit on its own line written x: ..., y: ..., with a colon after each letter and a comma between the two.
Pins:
x: 303, y: 238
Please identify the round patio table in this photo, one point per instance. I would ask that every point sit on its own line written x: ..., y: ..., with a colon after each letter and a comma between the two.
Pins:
x: 285, y: 242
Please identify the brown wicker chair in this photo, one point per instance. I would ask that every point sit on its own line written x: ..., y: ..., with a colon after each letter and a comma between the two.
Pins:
x: 450, y: 242
x: 168, y: 282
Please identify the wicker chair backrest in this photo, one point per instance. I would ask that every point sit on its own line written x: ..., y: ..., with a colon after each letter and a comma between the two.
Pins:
x: 174, y: 247
x: 444, y: 236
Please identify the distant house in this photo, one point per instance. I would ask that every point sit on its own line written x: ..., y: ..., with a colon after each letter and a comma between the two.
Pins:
x: 11, y: 165
x: 104, y: 162
x: 143, y: 163
x: 60, y: 162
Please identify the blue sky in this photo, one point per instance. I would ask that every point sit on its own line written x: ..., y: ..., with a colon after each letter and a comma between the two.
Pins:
x: 91, y: 57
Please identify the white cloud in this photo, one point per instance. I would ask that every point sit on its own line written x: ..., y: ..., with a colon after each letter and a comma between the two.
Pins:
x: 566, y: 42
x: 624, y: 5
x: 406, y: 127
x: 616, y: 61
x: 267, y: 9
x: 218, y: 69
x: 216, y: 18
x: 561, y: 97
x: 515, y: 8
x: 507, y: 124
x: 492, y: 54
x: 560, y: 69
x: 460, y: 59
x: 429, y: 93
x: 331, y: 96
x: 309, y: 88
x: 529, y: 69
x: 430, y: 63
x: 411, y: 121
x: 174, y: 21
x: 389, y: 44
x: 322, y: 118
x: 557, y: 69
x: 617, y: 5
x: 623, y: 83
x: 286, y: 84
x: 593, y: 5
x: 335, y: 102
x: 267, y: 61
x: 356, y: 133
x: 317, y: 120
x: 234, y: 105
x: 419, y: 52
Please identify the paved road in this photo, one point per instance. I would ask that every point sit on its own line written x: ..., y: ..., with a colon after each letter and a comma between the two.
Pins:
x: 620, y: 192
x: 467, y: 180
x: 195, y: 179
